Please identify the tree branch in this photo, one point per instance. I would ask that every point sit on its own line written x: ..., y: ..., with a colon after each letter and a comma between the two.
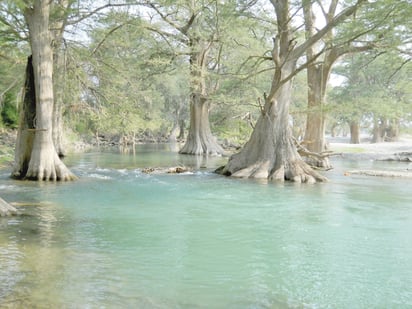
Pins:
x: 301, y: 49
x: 106, y: 36
x: 101, y: 8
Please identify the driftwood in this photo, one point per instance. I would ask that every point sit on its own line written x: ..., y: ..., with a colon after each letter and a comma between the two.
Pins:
x: 402, y: 174
x: 6, y: 209
x: 400, y: 157
x: 315, y: 156
x: 166, y: 170
x: 24, y: 204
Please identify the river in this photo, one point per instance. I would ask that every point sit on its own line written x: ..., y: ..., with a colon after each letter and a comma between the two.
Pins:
x: 119, y: 238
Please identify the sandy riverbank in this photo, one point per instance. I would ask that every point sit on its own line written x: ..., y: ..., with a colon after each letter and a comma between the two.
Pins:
x: 367, y: 150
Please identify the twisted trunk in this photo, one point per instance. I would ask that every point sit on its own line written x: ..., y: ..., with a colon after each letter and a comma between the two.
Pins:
x: 271, y: 153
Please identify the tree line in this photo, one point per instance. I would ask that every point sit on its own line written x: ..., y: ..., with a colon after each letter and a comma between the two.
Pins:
x: 253, y: 72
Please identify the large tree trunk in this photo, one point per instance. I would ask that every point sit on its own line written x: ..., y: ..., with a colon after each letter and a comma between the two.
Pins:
x: 315, y: 123
x: 318, y: 73
x: 200, y: 139
x: 314, y: 139
x: 44, y: 163
x: 271, y: 153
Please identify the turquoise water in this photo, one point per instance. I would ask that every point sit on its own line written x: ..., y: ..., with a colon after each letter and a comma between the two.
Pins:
x: 118, y: 238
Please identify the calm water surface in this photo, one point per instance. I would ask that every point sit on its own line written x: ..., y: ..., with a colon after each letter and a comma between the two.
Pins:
x: 118, y: 238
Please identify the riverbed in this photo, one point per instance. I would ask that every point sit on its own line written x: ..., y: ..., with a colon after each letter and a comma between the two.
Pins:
x: 120, y: 238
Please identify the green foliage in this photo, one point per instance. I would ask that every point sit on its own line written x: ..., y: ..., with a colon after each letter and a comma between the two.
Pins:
x: 11, y: 80
x: 131, y: 73
x: 9, y: 114
x: 137, y: 76
x: 377, y: 87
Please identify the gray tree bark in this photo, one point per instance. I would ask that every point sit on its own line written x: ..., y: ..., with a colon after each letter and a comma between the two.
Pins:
x: 271, y: 153
x: 44, y: 162
x: 200, y: 140
x: 26, y: 130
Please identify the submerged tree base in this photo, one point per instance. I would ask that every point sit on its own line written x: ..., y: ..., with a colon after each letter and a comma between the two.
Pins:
x: 196, y: 147
x: 297, y: 171
x: 200, y: 140
x: 271, y: 154
x: 36, y: 157
x: 43, y: 165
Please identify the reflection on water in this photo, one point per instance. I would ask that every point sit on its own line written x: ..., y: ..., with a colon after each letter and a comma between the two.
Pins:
x: 118, y: 238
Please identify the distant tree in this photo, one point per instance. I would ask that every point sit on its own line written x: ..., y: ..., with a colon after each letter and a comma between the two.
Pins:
x: 190, y: 28
x: 128, y: 74
x: 376, y: 94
